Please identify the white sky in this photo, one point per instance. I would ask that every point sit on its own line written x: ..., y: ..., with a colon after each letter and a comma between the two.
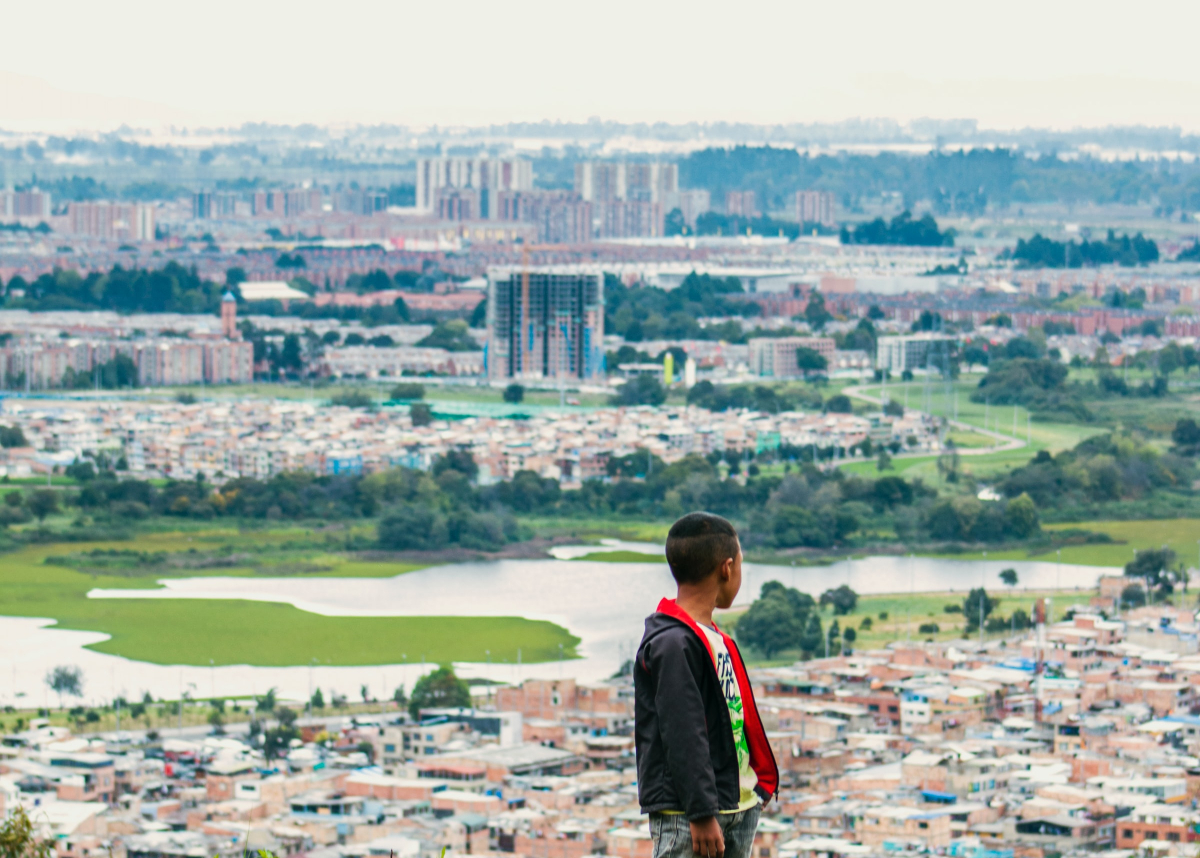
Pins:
x: 1047, y: 63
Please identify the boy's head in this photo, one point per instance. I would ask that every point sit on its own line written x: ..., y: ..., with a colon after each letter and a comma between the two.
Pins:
x: 701, y: 545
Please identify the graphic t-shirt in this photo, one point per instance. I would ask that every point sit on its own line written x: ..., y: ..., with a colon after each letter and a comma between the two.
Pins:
x: 747, y: 779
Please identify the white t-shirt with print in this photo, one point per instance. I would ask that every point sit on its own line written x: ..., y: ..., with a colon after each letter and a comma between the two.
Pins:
x: 747, y: 779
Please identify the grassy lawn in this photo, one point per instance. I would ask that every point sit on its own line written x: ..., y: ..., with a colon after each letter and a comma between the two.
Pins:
x: 1039, y: 435
x: 171, y: 631
x: 1180, y: 534
x: 632, y: 530
x: 623, y: 557
x: 970, y: 440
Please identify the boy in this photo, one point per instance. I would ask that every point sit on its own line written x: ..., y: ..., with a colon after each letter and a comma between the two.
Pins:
x: 704, y: 764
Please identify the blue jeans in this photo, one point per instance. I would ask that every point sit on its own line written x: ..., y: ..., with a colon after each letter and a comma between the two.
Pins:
x: 672, y: 833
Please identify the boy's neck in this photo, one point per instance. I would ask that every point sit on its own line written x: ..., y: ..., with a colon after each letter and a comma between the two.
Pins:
x: 697, y: 601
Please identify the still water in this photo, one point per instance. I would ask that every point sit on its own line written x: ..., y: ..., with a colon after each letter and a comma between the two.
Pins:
x: 602, y: 603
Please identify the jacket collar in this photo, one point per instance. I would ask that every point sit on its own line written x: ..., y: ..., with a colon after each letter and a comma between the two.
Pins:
x: 671, y: 608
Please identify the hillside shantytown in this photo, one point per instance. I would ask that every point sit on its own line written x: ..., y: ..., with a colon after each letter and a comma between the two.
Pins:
x: 1079, y: 736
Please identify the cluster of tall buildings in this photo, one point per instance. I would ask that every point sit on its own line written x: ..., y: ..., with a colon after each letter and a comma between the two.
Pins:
x: 607, y: 200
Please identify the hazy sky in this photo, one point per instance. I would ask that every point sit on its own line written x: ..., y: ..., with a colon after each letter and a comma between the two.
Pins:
x: 1047, y: 63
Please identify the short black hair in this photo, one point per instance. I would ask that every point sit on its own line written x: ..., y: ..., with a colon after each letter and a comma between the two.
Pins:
x: 697, y: 544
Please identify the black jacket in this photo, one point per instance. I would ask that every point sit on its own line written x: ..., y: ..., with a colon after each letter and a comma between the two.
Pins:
x: 685, y: 753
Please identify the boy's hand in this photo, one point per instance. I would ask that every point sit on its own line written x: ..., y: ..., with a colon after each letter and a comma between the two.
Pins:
x: 707, y: 840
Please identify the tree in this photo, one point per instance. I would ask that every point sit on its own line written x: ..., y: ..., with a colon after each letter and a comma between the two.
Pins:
x: 454, y: 336
x: 266, y: 703
x: 318, y: 700
x: 815, y: 313
x: 216, y: 721
x: 514, y: 393
x: 408, y: 390
x: 976, y: 599
x: 420, y: 413
x: 290, y: 357
x: 19, y: 838
x: 892, y: 408
x: 849, y: 636
x: 641, y: 390
x: 1021, y: 517
x: 278, y: 741
x: 1186, y: 435
x: 43, y: 502
x: 1150, y: 564
x: 65, y: 679
x: 12, y: 436
x: 399, y: 697
x: 839, y: 404
x: 1133, y: 596
x: 1009, y: 577
x: 810, y: 360
x: 770, y: 626
x: 811, y: 641
x: 843, y: 599
x: 438, y: 690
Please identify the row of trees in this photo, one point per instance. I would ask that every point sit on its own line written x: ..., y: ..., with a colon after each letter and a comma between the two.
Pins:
x: 963, y: 182
x: 1042, y: 252
x: 806, y: 507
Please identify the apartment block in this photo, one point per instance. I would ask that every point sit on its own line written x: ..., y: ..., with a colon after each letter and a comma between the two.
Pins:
x: 112, y: 221
x: 488, y: 176
x: 33, y: 204
x: 628, y: 219
x: 545, y: 322
x: 912, y: 352
x: 611, y: 181
x: 814, y: 207
x: 560, y: 217
x: 776, y: 357
x: 741, y: 203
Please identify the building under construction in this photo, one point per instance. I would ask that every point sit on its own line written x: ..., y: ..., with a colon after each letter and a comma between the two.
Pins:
x: 545, y: 323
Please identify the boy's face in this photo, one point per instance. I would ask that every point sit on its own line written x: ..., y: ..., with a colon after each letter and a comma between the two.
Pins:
x: 729, y: 580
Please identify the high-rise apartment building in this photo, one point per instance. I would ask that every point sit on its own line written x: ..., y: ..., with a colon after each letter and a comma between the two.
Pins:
x: 814, y: 207
x: 741, y: 203
x: 290, y: 203
x: 208, y: 205
x: 909, y: 352
x: 606, y: 181
x: 24, y: 204
x: 691, y: 204
x: 560, y: 216
x: 488, y: 176
x: 112, y: 221
x: 628, y: 219
x: 360, y: 202
x: 545, y: 323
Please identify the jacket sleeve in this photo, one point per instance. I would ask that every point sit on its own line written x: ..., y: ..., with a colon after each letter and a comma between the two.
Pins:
x: 675, y: 671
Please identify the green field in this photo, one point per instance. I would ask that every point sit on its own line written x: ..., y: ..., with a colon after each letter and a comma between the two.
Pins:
x: 623, y: 557
x: 1180, y: 534
x: 1036, y: 434
x: 192, y: 631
